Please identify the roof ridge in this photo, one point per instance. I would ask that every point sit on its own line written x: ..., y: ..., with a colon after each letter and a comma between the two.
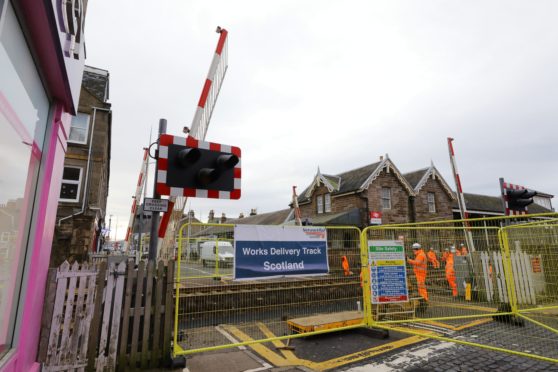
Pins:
x: 418, y: 170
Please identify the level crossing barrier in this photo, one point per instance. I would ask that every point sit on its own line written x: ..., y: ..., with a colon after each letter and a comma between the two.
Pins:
x: 213, y: 311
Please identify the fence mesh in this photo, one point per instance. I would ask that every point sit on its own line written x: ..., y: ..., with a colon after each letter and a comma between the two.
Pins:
x: 490, y: 282
x: 213, y: 310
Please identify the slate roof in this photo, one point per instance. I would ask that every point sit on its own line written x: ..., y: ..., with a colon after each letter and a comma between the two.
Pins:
x: 271, y: 218
x: 96, y: 82
x: 350, y: 180
x: 414, y: 177
x: 486, y: 203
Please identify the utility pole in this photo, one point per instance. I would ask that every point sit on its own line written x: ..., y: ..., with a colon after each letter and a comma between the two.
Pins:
x: 153, y: 237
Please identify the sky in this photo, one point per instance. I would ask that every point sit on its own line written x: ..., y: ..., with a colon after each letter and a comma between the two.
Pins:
x: 335, y: 85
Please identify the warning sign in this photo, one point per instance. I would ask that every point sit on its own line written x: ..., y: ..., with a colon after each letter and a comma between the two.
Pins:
x: 388, y: 274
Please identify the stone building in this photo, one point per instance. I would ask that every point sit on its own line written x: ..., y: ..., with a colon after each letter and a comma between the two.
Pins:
x: 350, y: 197
x: 85, y: 181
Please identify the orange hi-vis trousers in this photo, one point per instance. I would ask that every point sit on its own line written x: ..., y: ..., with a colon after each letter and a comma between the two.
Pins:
x: 452, y: 280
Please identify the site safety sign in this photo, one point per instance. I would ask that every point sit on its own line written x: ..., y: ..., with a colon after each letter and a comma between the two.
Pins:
x: 388, y: 274
x: 277, y: 251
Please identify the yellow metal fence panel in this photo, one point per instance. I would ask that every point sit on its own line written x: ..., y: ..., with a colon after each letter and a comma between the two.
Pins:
x: 214, y: 311
x: 500, y: 293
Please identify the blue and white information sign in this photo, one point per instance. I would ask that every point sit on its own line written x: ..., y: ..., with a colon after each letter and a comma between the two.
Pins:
x: 388, y: 274
x: 277, y: 251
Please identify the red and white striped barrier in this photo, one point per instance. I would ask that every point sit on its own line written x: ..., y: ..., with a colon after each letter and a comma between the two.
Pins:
x: 202, y: 117
x: 137, y: 196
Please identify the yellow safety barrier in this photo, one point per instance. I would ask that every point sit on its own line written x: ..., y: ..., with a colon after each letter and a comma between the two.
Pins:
x: 213, y: 311
x: 489, y: 282
x: 502, y: 274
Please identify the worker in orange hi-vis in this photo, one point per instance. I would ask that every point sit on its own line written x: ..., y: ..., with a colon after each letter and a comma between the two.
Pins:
x: 445, y: 255
x: 450, y: 271
x: 419, y: 267
x: 464, y: 249
x: 345, y: 264
x: 431, y: 255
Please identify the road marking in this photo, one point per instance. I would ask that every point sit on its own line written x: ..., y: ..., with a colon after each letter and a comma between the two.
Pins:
x: 365, y: 354
x: 243, y: 348
x: 405, y: 359
x: 262, y: 350
x: 288, y: 354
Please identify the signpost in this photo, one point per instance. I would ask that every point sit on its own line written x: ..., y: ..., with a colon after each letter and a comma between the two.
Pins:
x: 388, y: 274
x: 276, y: 251
x: 155, y: 205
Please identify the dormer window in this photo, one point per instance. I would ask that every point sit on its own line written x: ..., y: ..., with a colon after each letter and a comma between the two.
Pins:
x: 431, y: 202
x: 327, y: 203
x: 386, y: 198
x: 320, y: 204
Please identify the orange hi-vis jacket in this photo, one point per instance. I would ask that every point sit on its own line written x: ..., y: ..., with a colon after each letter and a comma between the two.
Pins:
x: 433, y: 259
x: 345, y: 265
x: 419, y: 265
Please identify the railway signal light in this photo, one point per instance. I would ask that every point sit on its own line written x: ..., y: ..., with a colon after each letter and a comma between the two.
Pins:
x: 516, y: 198
x: 519, y: 199
x: 188, y: 167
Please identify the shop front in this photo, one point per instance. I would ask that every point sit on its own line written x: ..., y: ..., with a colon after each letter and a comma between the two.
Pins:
x: 41, y: 66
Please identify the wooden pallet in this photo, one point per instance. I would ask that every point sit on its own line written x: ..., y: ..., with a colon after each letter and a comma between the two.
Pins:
x: 325, y: 321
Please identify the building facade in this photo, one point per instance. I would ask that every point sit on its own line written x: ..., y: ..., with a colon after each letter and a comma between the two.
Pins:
x: 423, y: 195
x: 81, y: 213
x: 41, y: 64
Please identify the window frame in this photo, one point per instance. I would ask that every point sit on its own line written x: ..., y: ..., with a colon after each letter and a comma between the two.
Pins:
x: 72, y: 182
x: 319, y: 204
x: 431, y: 202
x: 327, y: 203
x: 86, y: 130
x: 383, y: 198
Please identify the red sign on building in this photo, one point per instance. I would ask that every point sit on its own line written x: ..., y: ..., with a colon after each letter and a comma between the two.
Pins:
x: 375, y: 218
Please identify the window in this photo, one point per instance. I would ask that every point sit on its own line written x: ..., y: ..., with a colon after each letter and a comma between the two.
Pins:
x: 431, y: 202
x: 71, y: 182
x: 24, y: 111
x: 386, y: 198
x: 327, y: 202
x: 320, y: 203
x: 79, y: 129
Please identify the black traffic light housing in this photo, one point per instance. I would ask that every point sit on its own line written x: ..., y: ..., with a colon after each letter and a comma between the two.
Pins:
x: 519, y: 199
x: 194, y: 168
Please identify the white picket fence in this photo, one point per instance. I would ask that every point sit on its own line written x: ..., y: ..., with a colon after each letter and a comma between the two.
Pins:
x: 495, y: 281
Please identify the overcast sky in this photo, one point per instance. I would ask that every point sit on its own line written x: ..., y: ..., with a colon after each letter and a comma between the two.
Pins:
x: 336, y: 85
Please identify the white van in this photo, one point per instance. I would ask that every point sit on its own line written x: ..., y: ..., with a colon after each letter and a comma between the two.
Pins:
x: 208, y: 254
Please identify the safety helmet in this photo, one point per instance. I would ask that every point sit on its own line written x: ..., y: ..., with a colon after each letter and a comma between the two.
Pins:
x: 461, y: 245
x: 452, y: 249
x: 416, y: 246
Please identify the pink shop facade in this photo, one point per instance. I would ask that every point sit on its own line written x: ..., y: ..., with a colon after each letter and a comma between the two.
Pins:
x: 41, y: 67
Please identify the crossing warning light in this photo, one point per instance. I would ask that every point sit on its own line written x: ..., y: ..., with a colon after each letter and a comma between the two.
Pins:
x: 194, y: 168
x: 516, y: 198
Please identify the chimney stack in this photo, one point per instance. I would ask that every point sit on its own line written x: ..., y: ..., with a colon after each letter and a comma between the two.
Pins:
x: 253, y: 212
x: 223, y: 218
x: 241, y: 215
x: 211, y: 216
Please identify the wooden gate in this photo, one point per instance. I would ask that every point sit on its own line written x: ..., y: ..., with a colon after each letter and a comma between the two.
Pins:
x: 99, y: 318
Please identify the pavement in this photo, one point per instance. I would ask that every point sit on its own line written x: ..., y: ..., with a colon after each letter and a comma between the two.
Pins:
x: 362, y: 351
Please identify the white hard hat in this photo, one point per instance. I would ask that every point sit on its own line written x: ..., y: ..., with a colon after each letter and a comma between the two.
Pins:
x: 416, y: 246
x: 452, y: 249
x: 461, y: 245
